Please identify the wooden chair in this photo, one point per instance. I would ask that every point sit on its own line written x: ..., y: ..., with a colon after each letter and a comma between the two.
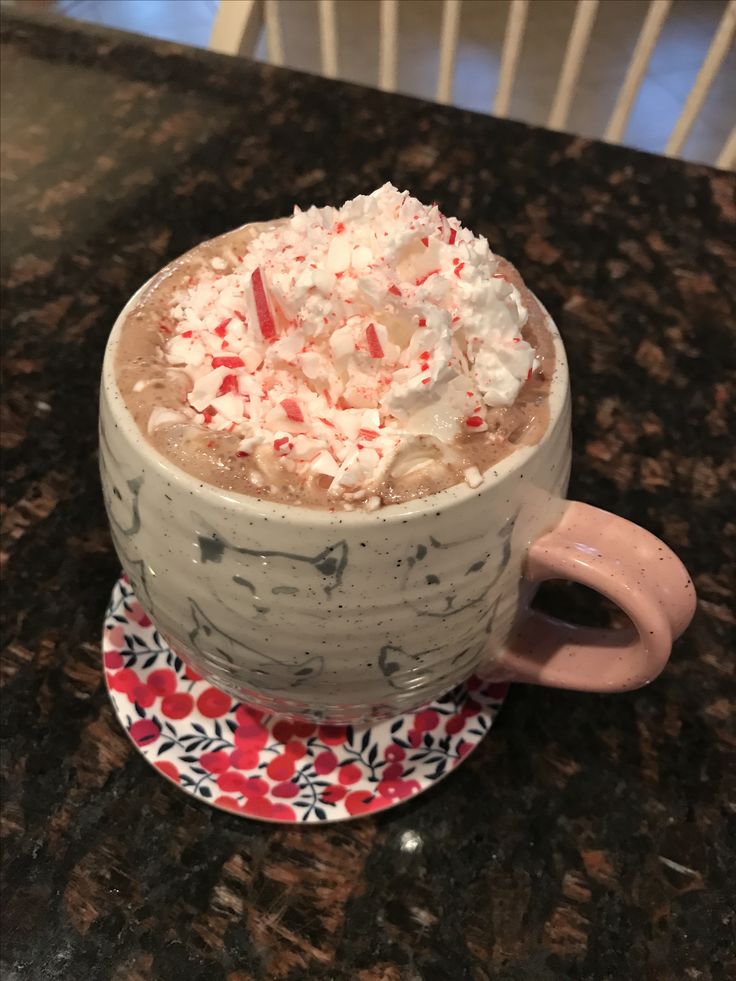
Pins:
x: 239, y: 23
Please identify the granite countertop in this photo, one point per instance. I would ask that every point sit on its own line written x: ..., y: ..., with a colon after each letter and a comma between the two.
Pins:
x: 587, y: 837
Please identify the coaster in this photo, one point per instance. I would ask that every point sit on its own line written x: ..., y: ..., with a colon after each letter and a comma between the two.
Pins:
x: 241, y: 759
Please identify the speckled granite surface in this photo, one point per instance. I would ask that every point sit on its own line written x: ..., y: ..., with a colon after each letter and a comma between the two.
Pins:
x: 588, y: 837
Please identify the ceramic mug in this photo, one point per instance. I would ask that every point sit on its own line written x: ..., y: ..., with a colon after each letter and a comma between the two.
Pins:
x: 351, y: 616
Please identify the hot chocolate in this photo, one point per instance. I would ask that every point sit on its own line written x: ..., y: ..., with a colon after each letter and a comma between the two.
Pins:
x: 341, y: 358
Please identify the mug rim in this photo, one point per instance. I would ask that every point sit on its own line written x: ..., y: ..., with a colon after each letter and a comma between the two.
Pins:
x: 300, y: 514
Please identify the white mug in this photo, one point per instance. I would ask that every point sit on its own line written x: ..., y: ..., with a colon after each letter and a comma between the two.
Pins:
x: 349, y: 616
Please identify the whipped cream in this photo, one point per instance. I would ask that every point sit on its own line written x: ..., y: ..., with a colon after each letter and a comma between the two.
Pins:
x: 351, y: 344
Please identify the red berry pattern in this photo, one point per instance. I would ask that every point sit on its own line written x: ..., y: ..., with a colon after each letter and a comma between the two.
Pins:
x: 217, y: 762
x: 144, y: 731
x: 113, y: 660
x: 213, y: 703
x: 177, y: 706
x: 162, y: 682
x: 325, y: 762
x: 281, y: 767
x: 243, y: 759
x: 168, y: 769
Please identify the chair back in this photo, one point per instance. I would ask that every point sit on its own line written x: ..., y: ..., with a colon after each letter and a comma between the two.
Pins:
x: 240, y: 23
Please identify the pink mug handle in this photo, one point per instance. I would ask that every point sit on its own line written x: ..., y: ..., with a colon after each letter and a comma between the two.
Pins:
x: 633, y: 569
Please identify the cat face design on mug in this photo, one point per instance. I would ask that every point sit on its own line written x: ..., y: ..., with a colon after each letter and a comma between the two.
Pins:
x: 122, y: 502
x: 122, y: 496
x: 406, y: 671
x: 433, y: 595
x: 411, y: 670
x: 135, y: 568
x: 261, y: 575
x: 234, y: 658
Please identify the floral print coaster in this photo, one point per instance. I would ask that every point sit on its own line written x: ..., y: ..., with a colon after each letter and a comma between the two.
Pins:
x: 238, y: 758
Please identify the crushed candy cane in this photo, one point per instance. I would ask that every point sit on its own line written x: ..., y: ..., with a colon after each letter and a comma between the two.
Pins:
x: 351, y: 342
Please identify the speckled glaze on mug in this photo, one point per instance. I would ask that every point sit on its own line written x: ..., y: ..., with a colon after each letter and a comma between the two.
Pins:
x: 353, y: 616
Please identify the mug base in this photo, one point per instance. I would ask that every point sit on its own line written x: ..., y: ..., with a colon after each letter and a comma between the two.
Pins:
x: 238, y: 758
